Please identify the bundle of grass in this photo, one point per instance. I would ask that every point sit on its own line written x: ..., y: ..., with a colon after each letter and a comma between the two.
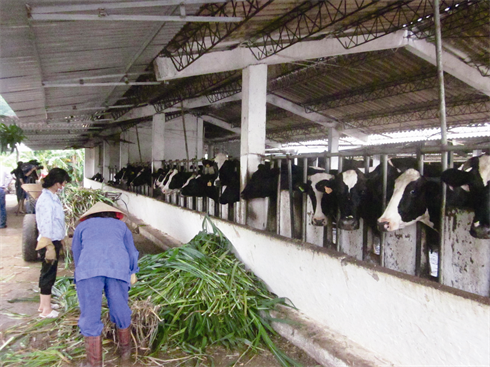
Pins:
x: 58, y: 342
x: 46, y: 342
x: 186, y: 300
x: 77, y: 200
x: 207, y: 297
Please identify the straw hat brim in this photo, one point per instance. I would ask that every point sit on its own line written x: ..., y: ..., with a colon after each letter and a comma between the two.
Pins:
x: 101, y: 207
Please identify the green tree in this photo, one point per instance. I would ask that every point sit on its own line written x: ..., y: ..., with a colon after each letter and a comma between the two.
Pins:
x: 10, y: 136
x: 70, y: 160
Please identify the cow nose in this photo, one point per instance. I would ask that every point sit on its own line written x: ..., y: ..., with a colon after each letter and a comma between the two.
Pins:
x: 481, y: 232
x: 349, y: 223
x: 319, y: 222
x: 384, y: 226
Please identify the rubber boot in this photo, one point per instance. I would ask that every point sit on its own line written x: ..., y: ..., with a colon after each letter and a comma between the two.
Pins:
x: 93, y: 348
x: 124, y: 341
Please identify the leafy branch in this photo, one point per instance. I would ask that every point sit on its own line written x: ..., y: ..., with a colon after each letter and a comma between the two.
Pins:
x: 10, y: 136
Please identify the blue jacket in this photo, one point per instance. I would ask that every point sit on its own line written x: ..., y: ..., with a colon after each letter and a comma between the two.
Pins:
x: 104, y: 247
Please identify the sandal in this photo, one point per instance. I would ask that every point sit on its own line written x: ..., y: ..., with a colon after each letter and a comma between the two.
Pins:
x: 52, y: 315
x: 54, y: 306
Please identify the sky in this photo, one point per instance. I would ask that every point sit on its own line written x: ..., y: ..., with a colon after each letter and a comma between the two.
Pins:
x: 5, y: 108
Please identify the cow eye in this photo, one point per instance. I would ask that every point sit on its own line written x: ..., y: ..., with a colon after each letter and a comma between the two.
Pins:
x: 413, y: 192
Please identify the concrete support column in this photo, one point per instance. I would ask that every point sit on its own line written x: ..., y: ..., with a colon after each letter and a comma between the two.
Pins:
x: 89, y: 163
x: 252, y: 143
x: 200, y: 138
x: 106, y: 160
x: 158, y: 141
x: 333, y: 147
x: 124, y: 151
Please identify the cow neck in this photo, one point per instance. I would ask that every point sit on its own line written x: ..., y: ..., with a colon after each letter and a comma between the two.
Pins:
x: 484, y: 168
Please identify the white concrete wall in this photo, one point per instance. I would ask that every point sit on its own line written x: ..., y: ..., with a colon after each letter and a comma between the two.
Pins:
x: 89, y: 164
x: 400, y: 318
x: 232, y: 149
x: 145, y: 142
x: 175, y: 142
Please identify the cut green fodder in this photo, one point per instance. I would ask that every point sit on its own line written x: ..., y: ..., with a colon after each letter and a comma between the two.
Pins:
x: 189, y: 299
x: 207, y: 297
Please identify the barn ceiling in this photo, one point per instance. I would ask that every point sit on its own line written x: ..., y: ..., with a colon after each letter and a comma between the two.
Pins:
x: 74, y: 71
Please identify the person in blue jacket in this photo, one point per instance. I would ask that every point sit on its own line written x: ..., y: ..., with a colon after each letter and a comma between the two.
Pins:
x: 106, y: 260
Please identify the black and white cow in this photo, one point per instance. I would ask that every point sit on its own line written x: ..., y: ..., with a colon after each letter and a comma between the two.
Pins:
x: 356, y: 194
x: 228, y: 181
x: 142, y: 176
x: 98, y: 177
x: 201, y: 184
x: 475, y: 173
x: 318, y: 188
x: 262, y: 183
x: 415, y: 199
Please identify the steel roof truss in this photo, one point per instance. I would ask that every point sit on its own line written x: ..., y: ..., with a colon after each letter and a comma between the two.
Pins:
x: 373, y: 92
x: 314, y: 16
x: 194, y: 40
x: 459, y: 106
x: 198, y: 86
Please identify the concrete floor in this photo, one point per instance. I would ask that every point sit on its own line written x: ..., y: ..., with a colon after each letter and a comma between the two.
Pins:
x: 19, y: 291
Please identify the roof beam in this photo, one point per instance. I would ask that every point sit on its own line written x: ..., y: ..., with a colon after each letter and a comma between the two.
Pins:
x: 239, y: 58
x: 312, y: 116
x: 451, y: 64
x: 81, y: 83
x: 137, y: 18
x: 225, y: 125
x: 120, y: 5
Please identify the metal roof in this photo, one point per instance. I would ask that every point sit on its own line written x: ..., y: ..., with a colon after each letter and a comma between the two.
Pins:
x: 70, y: 81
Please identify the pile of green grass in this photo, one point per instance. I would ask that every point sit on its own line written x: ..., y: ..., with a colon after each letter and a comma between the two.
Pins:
x: 189, y: 298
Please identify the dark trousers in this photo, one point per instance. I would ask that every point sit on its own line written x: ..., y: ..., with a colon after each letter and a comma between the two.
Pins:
x: 48, y: 269
x: 3, y: 209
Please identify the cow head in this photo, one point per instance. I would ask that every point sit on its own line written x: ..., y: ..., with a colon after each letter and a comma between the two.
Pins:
x: 412, y: 196
x: 320, y: 190
x: 475, y: 173
x: 262, y: 183
x: 350, y: 190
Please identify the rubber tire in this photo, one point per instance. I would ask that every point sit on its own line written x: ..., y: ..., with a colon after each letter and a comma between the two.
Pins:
x: 29, y: 237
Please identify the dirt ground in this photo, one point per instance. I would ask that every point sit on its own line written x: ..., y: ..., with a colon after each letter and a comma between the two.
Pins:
x: 19, y: 294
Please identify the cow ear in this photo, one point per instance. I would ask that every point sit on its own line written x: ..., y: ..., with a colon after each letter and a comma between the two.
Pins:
x: 455, y: 177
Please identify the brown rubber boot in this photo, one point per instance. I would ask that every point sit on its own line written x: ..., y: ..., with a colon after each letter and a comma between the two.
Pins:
x: 124, y: 341
x: 93, y: 348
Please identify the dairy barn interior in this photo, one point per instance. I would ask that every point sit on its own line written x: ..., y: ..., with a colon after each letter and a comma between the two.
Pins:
x: 161, y: 83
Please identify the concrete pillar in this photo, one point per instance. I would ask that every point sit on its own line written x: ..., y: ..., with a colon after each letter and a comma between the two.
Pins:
x: 124, y: 150
x: 333, y: 147
x: 89, y: 163
x: 252, y: 143
x: 158, y: 141
x: 211, y: 151
x: 106, y: 160
x: 200, y: 138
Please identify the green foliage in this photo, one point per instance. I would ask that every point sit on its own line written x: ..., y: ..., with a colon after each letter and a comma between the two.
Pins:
x: 71, y: 160
x: 189, y: 298
x: 207, y: 297
x: 10, y: 136
x: 77, y: 200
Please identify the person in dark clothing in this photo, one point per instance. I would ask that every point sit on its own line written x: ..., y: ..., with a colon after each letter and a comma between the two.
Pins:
x: 105, y: 260
x: 19, y: 181
x: 3, y: 209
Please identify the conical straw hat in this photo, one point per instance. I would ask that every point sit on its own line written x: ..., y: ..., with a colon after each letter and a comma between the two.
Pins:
x: 100, y: 207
